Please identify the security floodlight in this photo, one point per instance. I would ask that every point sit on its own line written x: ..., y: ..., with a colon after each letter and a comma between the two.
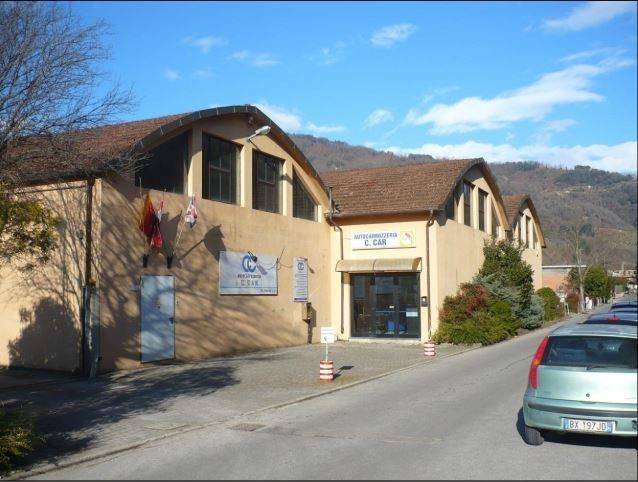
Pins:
x: 262, y: 131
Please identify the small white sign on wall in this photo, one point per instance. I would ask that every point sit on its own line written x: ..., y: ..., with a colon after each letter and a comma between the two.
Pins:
x: 300, y: 279
x: 382, y: 239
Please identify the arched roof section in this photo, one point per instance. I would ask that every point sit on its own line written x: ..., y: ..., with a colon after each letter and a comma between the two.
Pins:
x: 409, y: 188
x: 514, y: 204
x: 491, y: 182
x: 254, y: 115
x: 99, y: 146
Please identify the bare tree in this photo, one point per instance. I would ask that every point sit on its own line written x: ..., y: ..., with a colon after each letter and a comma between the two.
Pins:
x: 50, y: 76
x: 576, y: 236
x: 53, y: 93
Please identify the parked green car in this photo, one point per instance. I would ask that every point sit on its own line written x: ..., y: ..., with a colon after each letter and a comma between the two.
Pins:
x: 583, y: 379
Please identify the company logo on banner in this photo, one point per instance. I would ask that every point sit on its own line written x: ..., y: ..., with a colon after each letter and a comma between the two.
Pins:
x: 382, y: 239
x: 240, y: 275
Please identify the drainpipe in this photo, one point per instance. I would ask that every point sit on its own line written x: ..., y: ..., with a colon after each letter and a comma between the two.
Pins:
x: 429, y: 223
x: 88, y: 275
x: 332, y: 222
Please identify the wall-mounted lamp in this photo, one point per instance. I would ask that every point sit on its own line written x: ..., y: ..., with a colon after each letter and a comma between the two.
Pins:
x: 262, y: 131
x: 252, y: 257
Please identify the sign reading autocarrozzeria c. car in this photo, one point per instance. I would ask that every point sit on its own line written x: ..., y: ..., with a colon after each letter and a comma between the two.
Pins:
x: 382, y: 239
x: 242, y: 274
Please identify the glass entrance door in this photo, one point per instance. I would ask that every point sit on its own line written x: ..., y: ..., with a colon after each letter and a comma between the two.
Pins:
x: 386, y: 305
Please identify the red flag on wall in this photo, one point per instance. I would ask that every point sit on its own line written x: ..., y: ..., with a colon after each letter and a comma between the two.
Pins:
x: 149, y: 223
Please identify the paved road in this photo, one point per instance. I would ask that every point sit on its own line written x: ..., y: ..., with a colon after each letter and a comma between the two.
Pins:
x: 456, y: 418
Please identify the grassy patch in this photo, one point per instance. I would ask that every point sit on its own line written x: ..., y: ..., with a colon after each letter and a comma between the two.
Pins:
x: 17, y: 439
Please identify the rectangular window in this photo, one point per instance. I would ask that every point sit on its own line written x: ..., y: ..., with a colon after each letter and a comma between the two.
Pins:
x: 481, y: 209
x: 533, y: 237
x: 219, y: 169
x: 303, y: 205
x: 467, y: 203
x: 163, y: 167
x: 518, y: 227
x: 527, y: 233
x: 266, y: 178
x: 495, y: 223
x: 450, y: 206
x: 591, y: 351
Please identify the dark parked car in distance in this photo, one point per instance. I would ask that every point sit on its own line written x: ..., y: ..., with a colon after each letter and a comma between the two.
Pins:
x: 613, y: 318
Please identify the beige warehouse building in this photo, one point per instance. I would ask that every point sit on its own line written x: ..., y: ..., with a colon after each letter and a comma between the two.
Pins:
x: 373, y: 251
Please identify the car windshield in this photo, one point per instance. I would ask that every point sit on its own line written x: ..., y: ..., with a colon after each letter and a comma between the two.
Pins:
x: 591, y: 352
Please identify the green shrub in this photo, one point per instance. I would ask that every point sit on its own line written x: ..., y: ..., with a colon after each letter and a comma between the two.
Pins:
x: 551, y: 302
x: 508, y: 278
x: 17, y: 439
x: 457, y: 309
x: 531, y: 315
x: 489, y: 324
x: 504, y: 260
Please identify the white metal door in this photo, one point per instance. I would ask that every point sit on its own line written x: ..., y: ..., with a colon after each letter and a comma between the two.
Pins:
x: 158, y: 318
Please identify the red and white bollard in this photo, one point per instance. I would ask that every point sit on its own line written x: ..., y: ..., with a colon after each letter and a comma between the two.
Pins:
x: 326, y: 370
x: 429, y: 349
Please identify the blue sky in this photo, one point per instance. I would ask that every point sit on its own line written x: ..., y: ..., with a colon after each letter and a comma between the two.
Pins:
x: 553, y: 81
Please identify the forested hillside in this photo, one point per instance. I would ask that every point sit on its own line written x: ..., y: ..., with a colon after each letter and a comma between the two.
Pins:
x: 607, y: 200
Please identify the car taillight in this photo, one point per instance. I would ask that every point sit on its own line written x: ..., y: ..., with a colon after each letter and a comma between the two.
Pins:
x: 613, y: 319
x: 533, y: 368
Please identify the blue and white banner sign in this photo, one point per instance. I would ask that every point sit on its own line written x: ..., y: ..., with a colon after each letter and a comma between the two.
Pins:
x: 240, y: 274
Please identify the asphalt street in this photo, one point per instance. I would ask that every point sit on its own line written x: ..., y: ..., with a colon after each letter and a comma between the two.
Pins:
x: 457, y: 418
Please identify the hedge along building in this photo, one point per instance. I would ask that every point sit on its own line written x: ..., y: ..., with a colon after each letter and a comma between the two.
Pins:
x: 262, y: 210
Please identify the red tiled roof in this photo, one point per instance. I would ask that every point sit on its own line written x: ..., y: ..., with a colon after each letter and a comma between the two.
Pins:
x: 397, y: 189
x: 513, y: 205
x: 94, y: 148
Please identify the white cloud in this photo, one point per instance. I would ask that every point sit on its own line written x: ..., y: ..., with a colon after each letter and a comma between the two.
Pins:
x: 530, y: 103
x: 204, y: 44
x: 317, y: 129
x: 330, y: 55
x: 545, y: 133
x: 378, y: 116
x: 256, y: 59
x: 589, y: 15
x: 284, y: 118
x: 433, y: 93
x: 171, y: 74
x: 586, y: 54
x: 291, y: 121
x: 391, y: 34
x: 560, y: 125
x: 619, y: 157
x: 205, y: 73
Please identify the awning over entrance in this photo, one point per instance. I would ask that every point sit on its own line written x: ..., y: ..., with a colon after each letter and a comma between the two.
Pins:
x: 378, y: 265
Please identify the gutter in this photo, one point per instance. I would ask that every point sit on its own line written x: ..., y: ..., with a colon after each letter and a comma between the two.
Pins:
x: 88, y: 274
x: 429, y: 223
x: 335, y: 225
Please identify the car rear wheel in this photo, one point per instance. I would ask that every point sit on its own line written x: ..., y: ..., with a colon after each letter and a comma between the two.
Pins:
x: 533, y: 436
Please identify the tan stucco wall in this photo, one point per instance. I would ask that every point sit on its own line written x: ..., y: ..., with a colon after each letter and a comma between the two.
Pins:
x: 206, y: 323
x: 40, y: 308
x: 534, y: 254
x: 458, y: 249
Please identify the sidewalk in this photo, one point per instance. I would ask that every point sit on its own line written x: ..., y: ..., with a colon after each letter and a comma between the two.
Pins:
x: 15, y: 378
x: 87, y: 419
